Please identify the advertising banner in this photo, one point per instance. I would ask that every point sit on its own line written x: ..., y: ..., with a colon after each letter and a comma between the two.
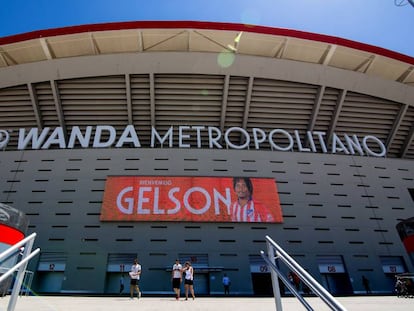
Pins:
x: 192, y: 199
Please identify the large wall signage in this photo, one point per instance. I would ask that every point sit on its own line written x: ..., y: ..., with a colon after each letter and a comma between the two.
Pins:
x: 104, y: 136
x: 201, y: 199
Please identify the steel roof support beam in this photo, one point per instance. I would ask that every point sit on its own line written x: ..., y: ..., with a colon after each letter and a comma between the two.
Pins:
x: 316, y: 107
x: 278, y: 53
x: 335, y: 117
x: 370, y: 64
x: 188, y: 41
x: 213, y: 41
x: 407, y: 143
x: 327, y: 55
x: 224, y: 102
x: 3, y: 58
x: 247, y: 102
x: 152, y: 98
x: 365, y: 65
x: 165, y: 40
x: 46, y: 48
x: 58, y: 106
x: 315, y: 111
x: 140, y: 42
x: 247, y: 105
x: 95, y: 47
x: 404, y: 77
x: 128, y: 98
x: 35, y: 105
x: 396, y: 126
x: 7, y: 59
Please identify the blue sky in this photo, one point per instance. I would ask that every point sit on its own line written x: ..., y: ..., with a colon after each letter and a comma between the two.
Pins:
x: 377, y: 22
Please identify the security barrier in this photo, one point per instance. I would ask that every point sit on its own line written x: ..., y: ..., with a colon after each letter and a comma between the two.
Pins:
x: 24, y: 247
x: 275, y: 252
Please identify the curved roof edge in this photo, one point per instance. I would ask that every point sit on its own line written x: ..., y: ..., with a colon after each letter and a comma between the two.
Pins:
x: 211, y: 26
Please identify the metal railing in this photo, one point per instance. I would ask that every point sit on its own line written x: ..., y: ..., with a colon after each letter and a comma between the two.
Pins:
x: 24, y: 247
x: 275, y: 252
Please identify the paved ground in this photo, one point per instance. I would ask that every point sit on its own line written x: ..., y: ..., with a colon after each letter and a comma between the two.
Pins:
x: 66, y: 303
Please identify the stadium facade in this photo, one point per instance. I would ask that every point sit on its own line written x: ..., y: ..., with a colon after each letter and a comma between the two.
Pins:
x: 331, y: 121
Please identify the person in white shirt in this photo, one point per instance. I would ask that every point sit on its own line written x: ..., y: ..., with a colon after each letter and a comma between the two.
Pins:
x: 134, y: 274
x: 176, y: 277
x: 189, y: 280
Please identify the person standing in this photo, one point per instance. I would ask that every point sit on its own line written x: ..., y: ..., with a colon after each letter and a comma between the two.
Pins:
x: 189, y: 280
x: 226, y: 284
x: 294, y: 280
x: 134, y: 274
x: 176, y: 277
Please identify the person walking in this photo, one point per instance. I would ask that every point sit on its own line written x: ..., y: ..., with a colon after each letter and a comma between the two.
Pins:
x: 134, y: 275
x: 365, y: 283
x: 189, y: 280
x: 121, y: 284
x: 176, y: 277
